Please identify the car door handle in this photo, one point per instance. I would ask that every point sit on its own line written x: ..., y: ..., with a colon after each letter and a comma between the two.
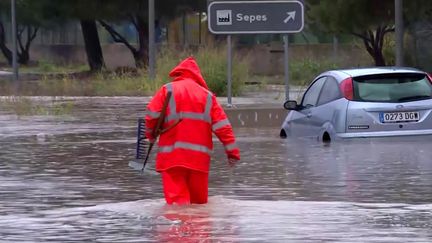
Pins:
x: 309, y: 115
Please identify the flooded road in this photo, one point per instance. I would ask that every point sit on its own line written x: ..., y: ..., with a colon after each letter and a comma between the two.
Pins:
x: 66, y: 179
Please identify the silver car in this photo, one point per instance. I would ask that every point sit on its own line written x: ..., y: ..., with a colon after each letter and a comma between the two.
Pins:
x: 365, y: 102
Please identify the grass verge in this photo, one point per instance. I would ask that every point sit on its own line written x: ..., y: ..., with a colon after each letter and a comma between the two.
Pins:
x: 134, y: 82
x: 22, y: 106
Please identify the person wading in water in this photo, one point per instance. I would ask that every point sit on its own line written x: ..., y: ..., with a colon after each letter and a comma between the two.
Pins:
x: 185, y: 143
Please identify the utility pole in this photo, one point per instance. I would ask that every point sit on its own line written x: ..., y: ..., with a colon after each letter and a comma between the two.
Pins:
x: 399, y: 32
x: 151, y: 48
x: 14, y: 43
x: 286, y: 65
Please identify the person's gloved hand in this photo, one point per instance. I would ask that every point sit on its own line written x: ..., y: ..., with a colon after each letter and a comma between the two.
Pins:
x: 151, y: 140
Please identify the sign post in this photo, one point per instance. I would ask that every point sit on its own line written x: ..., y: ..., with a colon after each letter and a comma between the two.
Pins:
x: 256, y: 17
x: 229, y: 70
x: 286, y: 66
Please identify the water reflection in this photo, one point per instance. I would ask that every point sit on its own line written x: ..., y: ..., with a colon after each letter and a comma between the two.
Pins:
x: 367, y: 170
x: 66, y: 179
x: 225, y: 220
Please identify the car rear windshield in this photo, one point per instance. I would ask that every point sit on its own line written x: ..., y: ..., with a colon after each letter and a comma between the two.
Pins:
x: 401, y: 87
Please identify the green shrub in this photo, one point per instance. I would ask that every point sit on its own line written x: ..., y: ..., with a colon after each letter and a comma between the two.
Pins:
x: 23, y: 106
x: 388, y: 49
x: 304, y: 71
x: 214, y: 69
x: 213, y: 65
x: 212, y: 62
x: 45, y: 66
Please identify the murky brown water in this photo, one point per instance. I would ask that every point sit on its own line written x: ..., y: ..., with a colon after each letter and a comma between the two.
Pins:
x: 66, y: 179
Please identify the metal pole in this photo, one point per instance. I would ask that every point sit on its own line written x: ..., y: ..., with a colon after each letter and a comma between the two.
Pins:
x: 399, y: 32
x: 335, y: 48
x: 286, y: 66
x: 152, y: 49
x: 229, y: 70
x: 199, y: 27
x: 14, y: 43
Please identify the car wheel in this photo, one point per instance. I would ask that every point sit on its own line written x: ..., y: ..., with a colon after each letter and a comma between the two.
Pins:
x: 326, y: 137
x: 282, y: 134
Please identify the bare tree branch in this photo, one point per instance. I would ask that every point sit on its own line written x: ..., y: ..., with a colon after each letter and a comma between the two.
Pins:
x: 2, y: 33
x: 4, y: 49
x: 389, y: 29
x: 117, y: 37
x: 362, y: 36
x: 20, y: 31
x: 366, y: 40
x: 369, y: 43
x: 378, y: 38
x: 133, y: 20
x: 371, y: 37
x: 31, y: 34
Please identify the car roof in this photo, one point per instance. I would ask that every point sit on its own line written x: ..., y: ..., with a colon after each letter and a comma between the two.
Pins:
x: 341, y: 74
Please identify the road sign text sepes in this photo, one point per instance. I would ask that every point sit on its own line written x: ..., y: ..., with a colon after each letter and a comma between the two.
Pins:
x: 255, y: 17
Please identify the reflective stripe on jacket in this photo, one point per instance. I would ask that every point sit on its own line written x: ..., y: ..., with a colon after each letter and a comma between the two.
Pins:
x: 193, y: 114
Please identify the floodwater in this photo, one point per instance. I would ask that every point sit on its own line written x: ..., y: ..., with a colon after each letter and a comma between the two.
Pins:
x: 66, y: 179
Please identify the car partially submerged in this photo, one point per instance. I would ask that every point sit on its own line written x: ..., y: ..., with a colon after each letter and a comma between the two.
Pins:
x: 364, y: 102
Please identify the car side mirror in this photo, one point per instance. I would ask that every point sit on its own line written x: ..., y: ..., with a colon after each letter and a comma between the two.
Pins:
x: 290, y: 105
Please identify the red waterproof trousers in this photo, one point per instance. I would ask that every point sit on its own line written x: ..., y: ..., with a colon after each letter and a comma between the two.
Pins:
x: 185, y: 186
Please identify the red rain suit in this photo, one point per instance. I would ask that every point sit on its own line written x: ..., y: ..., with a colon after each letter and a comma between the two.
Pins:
x: 192, y: 115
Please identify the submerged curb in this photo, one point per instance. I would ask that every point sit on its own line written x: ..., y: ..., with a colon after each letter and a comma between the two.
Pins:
x: 245, y: 112
x: 256, y: 116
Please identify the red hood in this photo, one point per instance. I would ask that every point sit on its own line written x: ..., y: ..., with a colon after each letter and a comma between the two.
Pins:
x: 188, y: 69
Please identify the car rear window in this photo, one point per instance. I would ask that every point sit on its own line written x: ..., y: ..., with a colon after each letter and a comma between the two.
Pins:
x: 401, y: 87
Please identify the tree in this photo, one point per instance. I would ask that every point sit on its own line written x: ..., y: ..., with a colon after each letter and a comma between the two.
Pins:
x: 29, y: 18
x: 419, y: 10
x: 92, y: 45
x: 45, y: 13
x: 369, y: 20
x: 135, y: 12
x: 106, y: 12
x: 86, y: 12
x: 418, y: 38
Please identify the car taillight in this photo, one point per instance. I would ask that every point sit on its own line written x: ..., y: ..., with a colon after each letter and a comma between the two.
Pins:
x: 429, y: 77
x: 346, y: 87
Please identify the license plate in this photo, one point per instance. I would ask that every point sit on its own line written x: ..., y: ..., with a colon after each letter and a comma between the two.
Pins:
x: 408, y: 116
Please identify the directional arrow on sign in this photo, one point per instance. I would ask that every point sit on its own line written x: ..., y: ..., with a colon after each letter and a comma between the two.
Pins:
x: 255, y: 17
x: 291, y: 15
